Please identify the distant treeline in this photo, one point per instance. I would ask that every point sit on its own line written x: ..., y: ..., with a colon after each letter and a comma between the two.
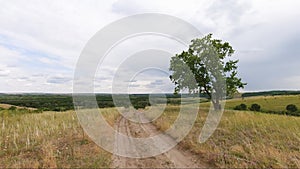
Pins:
x: 63, y: 102
x: 270, y: 93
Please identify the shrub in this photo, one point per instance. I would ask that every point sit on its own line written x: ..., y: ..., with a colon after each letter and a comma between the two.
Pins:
x: 291, y: 108
x: 296, y: 113
x: 241, y: 107
x: 140, y: 104
x: 12, y: 108
x: 255, y: 107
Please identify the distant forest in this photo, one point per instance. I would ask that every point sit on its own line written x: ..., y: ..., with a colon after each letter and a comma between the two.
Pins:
x: 63, y: 102
x: 270, y: 93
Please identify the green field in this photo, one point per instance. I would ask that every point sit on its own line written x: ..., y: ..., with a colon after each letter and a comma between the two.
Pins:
x: 273, y: 103
x: 267, y: 103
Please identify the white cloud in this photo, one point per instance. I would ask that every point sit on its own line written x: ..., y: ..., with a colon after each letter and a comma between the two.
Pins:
x: 4, y: 72
x: 41, y: 40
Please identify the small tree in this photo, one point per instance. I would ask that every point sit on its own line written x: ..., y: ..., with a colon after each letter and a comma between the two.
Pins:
x: 255, y: 107
x: 291, y: 108
x: 241, y: 107
x: 140, y: 104
x: 208, y: 61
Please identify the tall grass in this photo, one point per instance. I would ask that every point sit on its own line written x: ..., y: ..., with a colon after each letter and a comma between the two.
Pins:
x: 244, y: 139
x: 48, y: 139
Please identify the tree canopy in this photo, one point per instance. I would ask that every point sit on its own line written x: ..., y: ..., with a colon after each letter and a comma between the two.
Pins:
x: 210, y: 66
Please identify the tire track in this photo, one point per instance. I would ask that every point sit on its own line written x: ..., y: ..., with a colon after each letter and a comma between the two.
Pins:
x: 178, y: 157
x: 174, y: 158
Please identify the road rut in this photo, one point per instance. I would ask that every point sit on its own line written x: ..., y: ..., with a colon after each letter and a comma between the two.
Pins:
x: 174, y: 158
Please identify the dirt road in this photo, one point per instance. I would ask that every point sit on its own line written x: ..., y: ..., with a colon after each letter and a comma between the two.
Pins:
x: 175, y: 158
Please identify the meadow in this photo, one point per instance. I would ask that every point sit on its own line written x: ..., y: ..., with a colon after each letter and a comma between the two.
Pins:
x: 31, y: 139
x: 245, y: 139
x: 268, y: 103
x: 49, y: 140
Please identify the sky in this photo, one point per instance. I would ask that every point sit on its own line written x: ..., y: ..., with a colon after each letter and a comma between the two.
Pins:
x: 41, y: 41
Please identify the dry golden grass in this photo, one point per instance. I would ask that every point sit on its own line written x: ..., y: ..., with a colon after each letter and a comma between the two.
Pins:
x: 244, y: 139
x: 49, y: 140
x: 167, y: 118
x: 7, y: 106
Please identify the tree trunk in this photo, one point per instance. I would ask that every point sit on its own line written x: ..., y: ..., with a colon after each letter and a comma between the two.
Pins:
x: 217, y: 105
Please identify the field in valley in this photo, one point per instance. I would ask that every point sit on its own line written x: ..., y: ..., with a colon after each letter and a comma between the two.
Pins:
x: 242, y: 139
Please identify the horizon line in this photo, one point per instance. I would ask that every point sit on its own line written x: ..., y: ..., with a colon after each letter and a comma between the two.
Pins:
x: 273, y: 90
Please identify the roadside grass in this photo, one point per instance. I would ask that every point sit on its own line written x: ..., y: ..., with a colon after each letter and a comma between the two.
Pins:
x: 167, y: 118
x: 49, y: 140
x: 243, y: 139
x: 111, y: 115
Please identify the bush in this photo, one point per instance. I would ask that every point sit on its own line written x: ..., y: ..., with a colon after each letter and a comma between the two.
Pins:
x: 291, y: 108
x: 255, y: 107
x: 12, y: 108
x: 141, y: 104
x: 296, y: 113
x: 241, y: 107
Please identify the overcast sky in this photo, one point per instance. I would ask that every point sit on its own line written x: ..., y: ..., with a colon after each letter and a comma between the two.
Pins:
x: 40, y: 41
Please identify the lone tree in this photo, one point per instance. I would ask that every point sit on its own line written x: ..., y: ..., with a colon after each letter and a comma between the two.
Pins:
x: 207, y: 60
x: 241, y: 107
x: 255, y: 107
x: 291, y: 108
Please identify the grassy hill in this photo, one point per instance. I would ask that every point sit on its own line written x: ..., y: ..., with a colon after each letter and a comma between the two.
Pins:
x: 242, y: 139
x: 273, y: 103
x: 48, y: 140
x: 269, y: 104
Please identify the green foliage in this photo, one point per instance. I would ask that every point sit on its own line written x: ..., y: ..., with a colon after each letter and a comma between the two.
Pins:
x: 241, y: 107
x: 208, y: 61
x: 291, y: 108
x: 63, y: 102
x: 270, y: 93
x: 255, y: 107
x: 12, y: 108
x: 140, y: 105
x: 44, y: 102
x: 296, y: 113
